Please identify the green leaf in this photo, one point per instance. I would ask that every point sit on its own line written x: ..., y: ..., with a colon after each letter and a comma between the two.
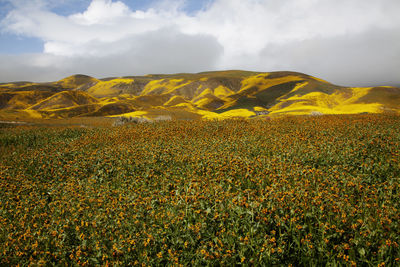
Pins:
x: 361, y: 251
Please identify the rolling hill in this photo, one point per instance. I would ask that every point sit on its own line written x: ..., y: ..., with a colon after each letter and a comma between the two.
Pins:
x: 206, y: 95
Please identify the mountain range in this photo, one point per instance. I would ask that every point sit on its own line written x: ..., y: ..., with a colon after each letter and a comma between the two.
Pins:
x: 205, y: 95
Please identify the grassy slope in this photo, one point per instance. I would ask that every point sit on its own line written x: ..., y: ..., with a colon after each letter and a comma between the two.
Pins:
x: 211, y: 95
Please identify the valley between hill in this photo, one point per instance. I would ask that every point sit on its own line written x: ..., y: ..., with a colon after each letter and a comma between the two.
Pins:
x: 206, y: 95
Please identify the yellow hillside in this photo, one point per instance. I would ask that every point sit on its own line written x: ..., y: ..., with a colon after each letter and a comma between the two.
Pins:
x: 109, y: 88
x: 231, y: 114
x: 163, y: 86
x: 344, y: 101
x: 175, y: 100
x: 75, y: 81
x: 222, y: 91
x: 22, y: 99
x: 5, y: 87
x: 64, y: 99
x: 207, y: 95
x: 259, y: 82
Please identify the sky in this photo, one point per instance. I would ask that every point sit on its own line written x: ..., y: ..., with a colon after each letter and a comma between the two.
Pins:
x: 347, y: 42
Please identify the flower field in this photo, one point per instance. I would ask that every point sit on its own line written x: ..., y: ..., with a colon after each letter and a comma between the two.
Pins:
x: 290, y: 191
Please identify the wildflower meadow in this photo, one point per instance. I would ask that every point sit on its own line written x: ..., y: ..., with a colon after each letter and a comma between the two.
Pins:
x: 311, y: 191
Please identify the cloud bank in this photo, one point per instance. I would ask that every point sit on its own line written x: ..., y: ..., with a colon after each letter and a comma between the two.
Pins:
x: 350, y: 42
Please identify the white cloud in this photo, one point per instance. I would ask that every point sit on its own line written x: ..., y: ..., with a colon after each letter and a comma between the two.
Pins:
x: 102, y: 12
x: 328, y: 37
x: 142, y: 54
x: 368, y: 58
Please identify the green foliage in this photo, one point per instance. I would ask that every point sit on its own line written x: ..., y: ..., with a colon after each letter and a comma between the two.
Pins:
x: 301, y: 191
